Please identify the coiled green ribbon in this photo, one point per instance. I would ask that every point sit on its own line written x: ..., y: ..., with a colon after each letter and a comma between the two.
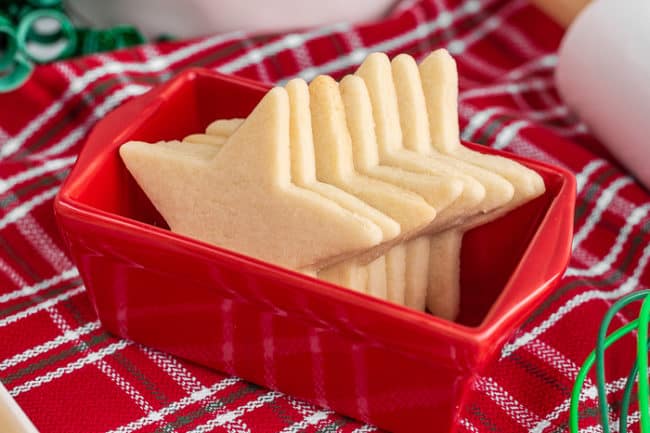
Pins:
x: 640, y: 368
x: 39, y: 31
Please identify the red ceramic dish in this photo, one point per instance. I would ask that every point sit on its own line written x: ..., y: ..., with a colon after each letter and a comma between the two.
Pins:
x: 399, y: 369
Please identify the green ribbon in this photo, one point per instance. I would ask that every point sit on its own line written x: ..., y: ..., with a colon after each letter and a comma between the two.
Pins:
x: 45, y: 4
x: 97, y: 41
x: 8, y: 43
x: 66, y: 29
x: 640, y: 367
x: 16, y: 74
x: 20, y: 35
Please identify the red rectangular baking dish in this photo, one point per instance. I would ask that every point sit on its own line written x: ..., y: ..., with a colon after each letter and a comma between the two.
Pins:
x: 381, y: 363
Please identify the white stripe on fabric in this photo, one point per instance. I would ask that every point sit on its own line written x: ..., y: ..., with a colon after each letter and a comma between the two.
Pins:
x: 230, y: 416
x: 443, y: 20
x: 42, y: 242
x: 487, y: 26
x: 353, y: 39
x: 58, y: 319
x: 477, y: 121
x: 604, y: 199
x: 586, y: 172
x: 424, y: 44
x: 365, y: 429
x: 260, y: 67
x: 257, y: 54
x: 304, y: 408
x: 195, y: 397
x: 606, y: 263
x: 66, y: 337
x: 312, y: 419
x: 98, y: 112
x: 551, y: 356
x: 41, y: 285
x: 622, y: 206
x: 632, y: 419
x: 106, y: 59
x: 46, y: 167
x: 589, y: 393
x: 547, y: 61
x: 629, y: 285
x: 520, y: 102
x: 102, y: 365
x: 22, y: 210
x: 289, y: 41
x: 533, y: 114
x: 186, y: 381
x: 69, y: 368
x: 613, y: 426
x: 508, y: 88
x: 542, y: 115
x: 11, y: 273
x: 76, y: 86
x: 578, y: 128
x: 469, y: 426
x: 517, y: 411
x: 39, y: 307
x: 150, y: 51
x: 237, y: 426
x: 302, y: 56
x: 508, y: 133
x: 525, y: 147
x: 307, y: 410
x: 174, y: 369
x: 125, y: 386
x: 92, y: 75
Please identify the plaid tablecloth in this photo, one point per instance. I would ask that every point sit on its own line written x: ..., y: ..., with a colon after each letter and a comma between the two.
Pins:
x: 70, y: 376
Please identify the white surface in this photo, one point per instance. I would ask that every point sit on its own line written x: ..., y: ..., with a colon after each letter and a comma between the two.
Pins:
x: 198, y: 17
x: 12, y: 418
x: 603, y: 74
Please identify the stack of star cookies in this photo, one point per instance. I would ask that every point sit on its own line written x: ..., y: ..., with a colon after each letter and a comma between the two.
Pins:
x: 362, y: 182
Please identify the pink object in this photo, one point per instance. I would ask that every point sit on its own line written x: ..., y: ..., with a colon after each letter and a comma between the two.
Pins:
x: 397, y: 368
x: 198, y: 17
x: 603, y: 77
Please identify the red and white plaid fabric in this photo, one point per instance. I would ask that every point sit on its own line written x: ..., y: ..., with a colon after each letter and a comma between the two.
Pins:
x: 70, y: 376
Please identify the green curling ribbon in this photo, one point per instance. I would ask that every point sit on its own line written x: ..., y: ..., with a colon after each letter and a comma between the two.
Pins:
x: 16, y: 75
x: 46, y: 4
x: 24, y: 41
x: 8, y: 43
x: 127, y: 36
x: 68, y: 33
x: 97, y: 41
x: 639, y: 369
x: 44, y: 38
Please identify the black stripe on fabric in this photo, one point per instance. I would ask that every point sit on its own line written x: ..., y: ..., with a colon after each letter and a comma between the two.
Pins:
x: 533, y: 369
x: 39, y: 297
x: 78, y: 348
x: 485, y: 420
x: 209, y: 408
x: 637, y: 241
x: 593, y: 190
